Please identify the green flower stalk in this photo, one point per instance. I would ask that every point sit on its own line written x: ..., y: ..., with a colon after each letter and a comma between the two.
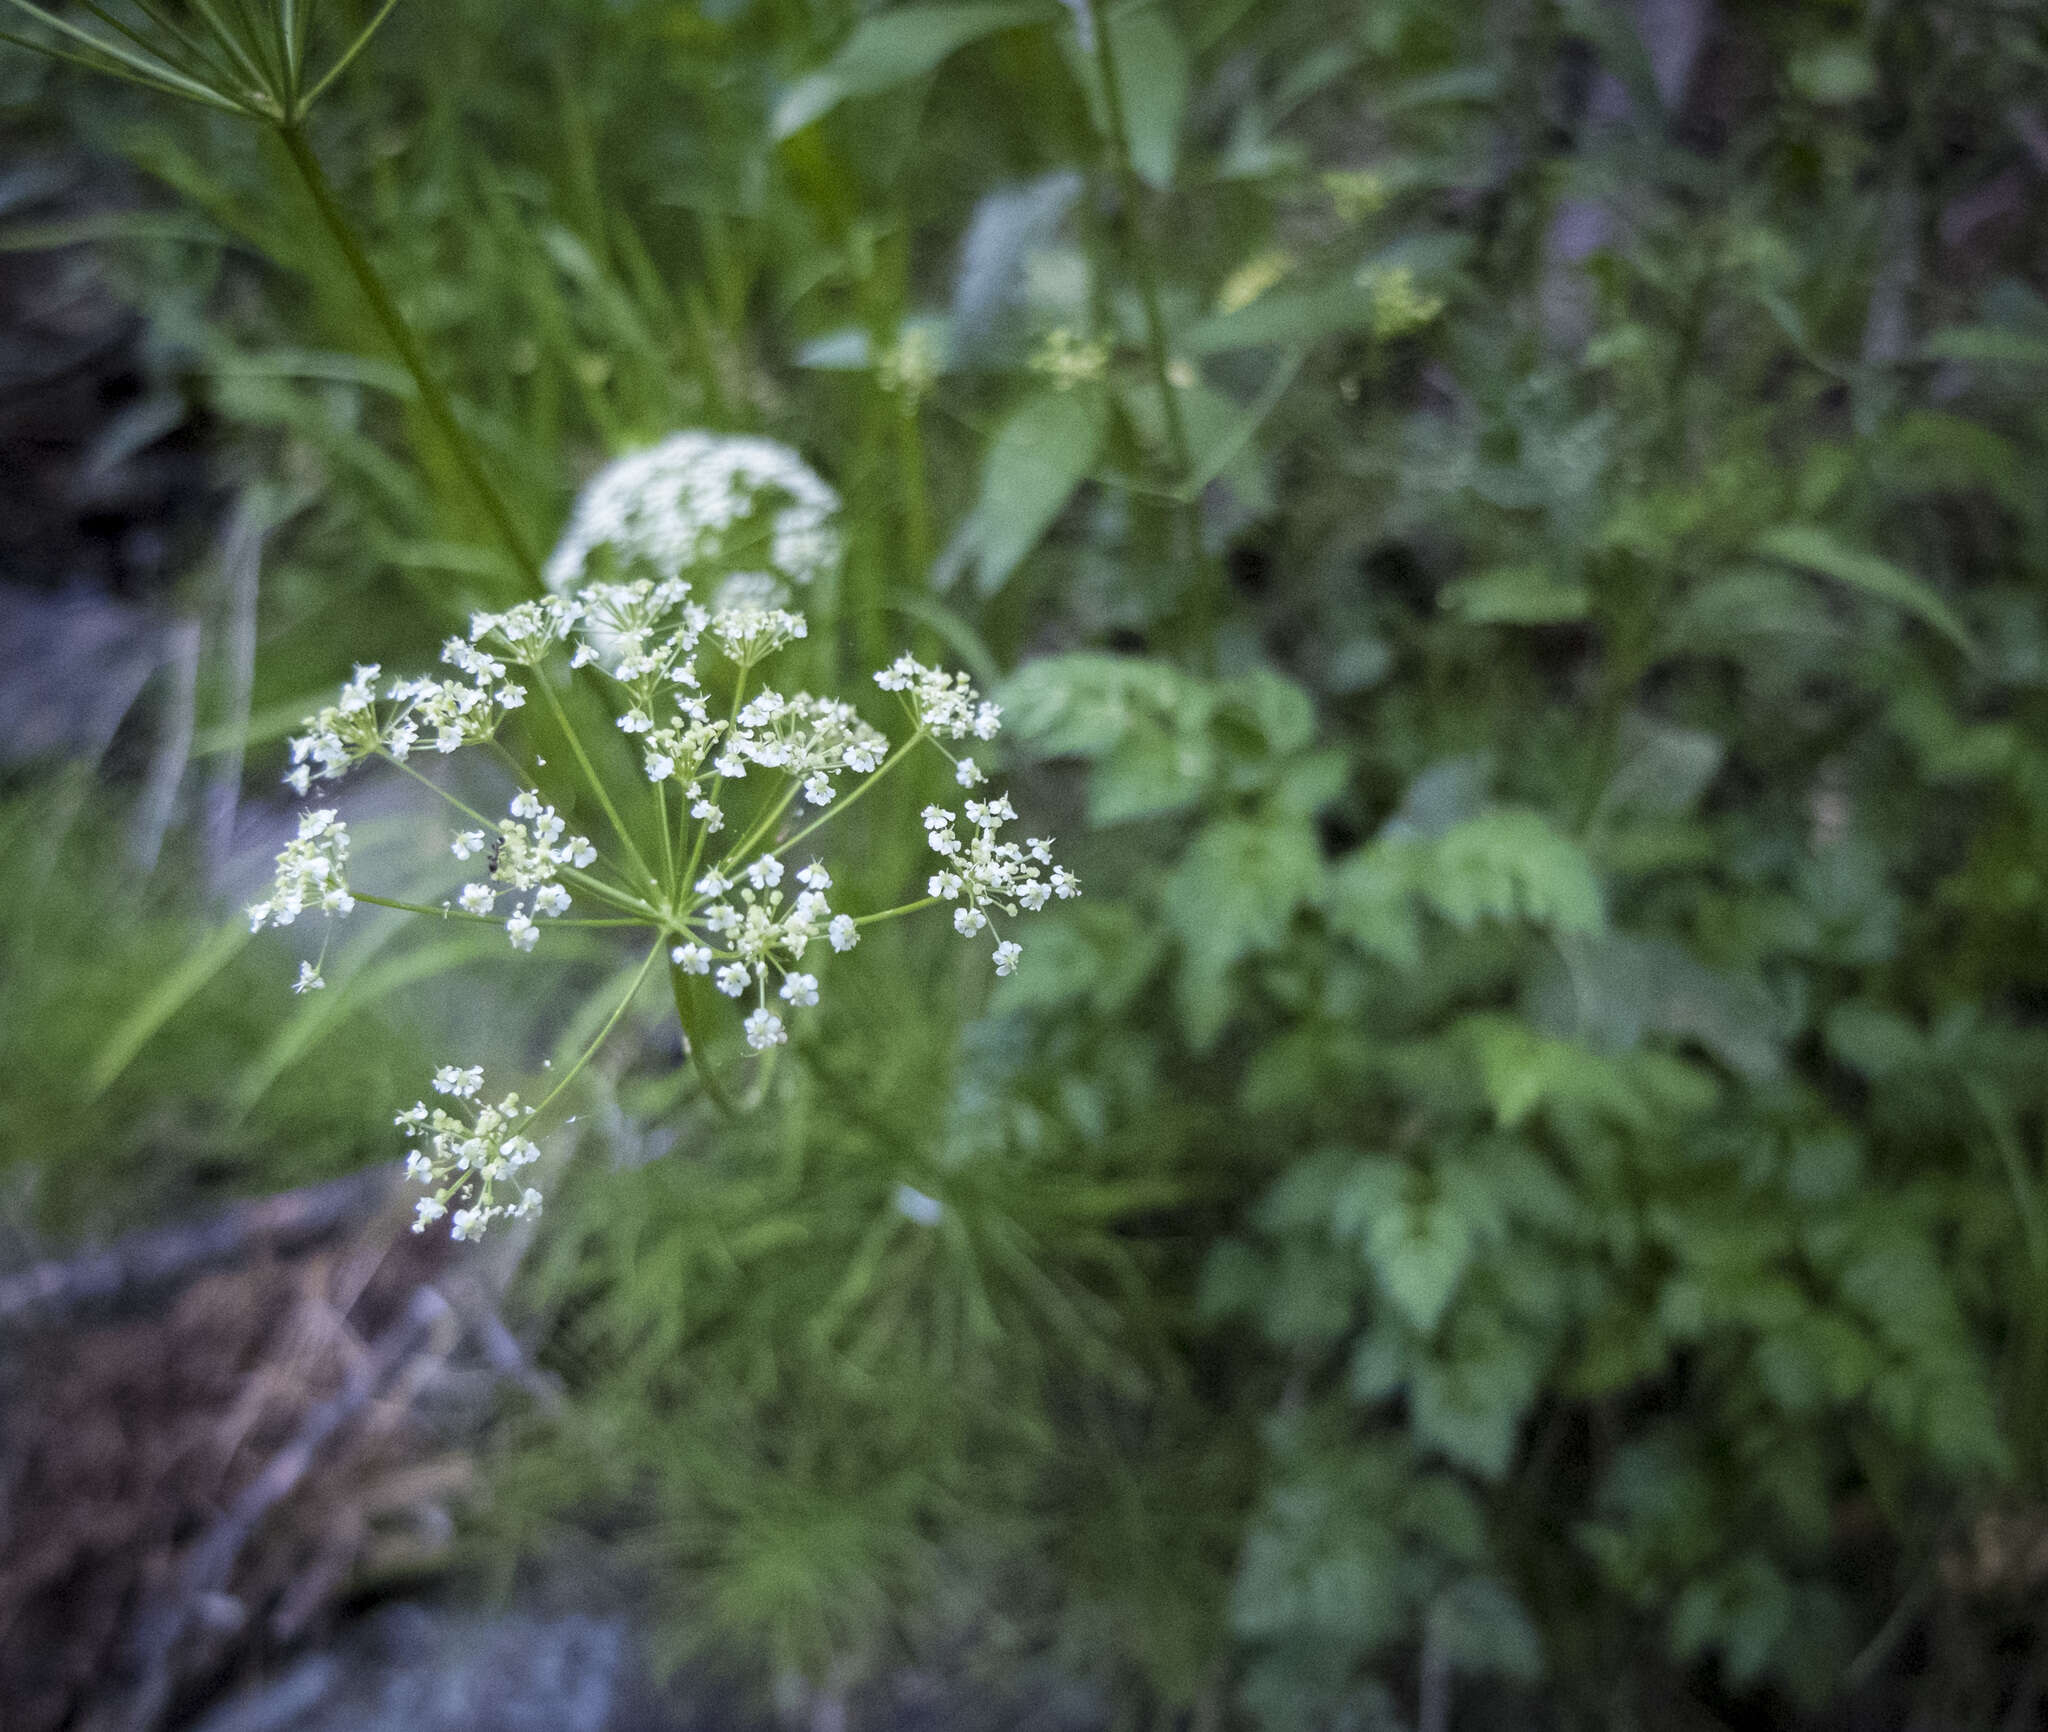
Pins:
x: 253, y: 58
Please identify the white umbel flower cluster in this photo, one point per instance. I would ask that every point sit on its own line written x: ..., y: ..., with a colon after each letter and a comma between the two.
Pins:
x: 697, y: 502
x: 311, y: 873
x: 703, y: 844
x: 469, y: 1159
x: 447, y: 714
x: 986, y: 876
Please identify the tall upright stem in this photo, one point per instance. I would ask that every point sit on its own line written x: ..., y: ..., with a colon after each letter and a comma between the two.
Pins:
x: 432, y: 398
x: 1141, y: 248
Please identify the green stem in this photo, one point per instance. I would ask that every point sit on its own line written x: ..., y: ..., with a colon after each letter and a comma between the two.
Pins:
x: 473, y: 919
x: 432, y: 398
x: 668, y: 852
x: 917, y: 522
x: 831, y: 812
x: 607, y: 893
x: 591, y: 776
x: 1141, y: 249
x: 686, y: 1015
x: 611, y: 1022
x: 738, y: 852
x: 739, y: 690
x: 895, y: 913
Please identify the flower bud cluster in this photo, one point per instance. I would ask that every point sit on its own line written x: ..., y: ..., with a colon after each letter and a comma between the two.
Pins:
x: 464, y: 1156
x: 311, y: 873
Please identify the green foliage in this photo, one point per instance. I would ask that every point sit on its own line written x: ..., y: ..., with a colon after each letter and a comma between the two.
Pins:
x: 1523, y: 1176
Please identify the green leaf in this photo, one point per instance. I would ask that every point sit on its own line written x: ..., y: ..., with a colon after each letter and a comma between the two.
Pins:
x: 1518, y: 595
x: 1083, y: 704
x: 1041, y: 453
x: 1295, y: 317
x: 1511, y: 864
x: 1814, y: 549
x: 1420, y: 1251
x: 1236, y: 893
x: 1987, y: 345
x: 1152, y: 77
x: 161, y: 1003
x: 1373, y: 901
x: 1152, y: 771
x: 892, y: 48
x: 1480, y: 1627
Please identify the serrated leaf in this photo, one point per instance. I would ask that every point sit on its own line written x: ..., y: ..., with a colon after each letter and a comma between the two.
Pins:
x: 1373, y: 902
x: 892, y: 48
x: 1043, y: 451
x: 1150, y: 772
x: 1234, y: 894
x: 1510, y: 864
x: 1814, y: 549
x: 1081, y: 705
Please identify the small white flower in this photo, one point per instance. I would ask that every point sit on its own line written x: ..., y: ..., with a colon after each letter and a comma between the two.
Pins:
x: 967, y: 774
x: 581, y: 853
x: 309, y: 979
x: 466, y: 843
x: 818, y: 789
x: 476, y: 899
x: 815, y: 877
x: 522, y: 931
x: 692, y: 958
x: 455, y: 1080
x: 733, y: 979
x: 1064, y: 883
x: 660, y: 766
x: 801, y: 990
x: 713, y: 883
x: 764, y: 1029
x: 946, y: 884
x: 842, y: 932
x: 1040, y: 848
x: 968, y: 921
x: 1006, y: 955
x: 913, y: 1205
x: 426, y: 1210
x: 551, y: 899
x: 765, y: 873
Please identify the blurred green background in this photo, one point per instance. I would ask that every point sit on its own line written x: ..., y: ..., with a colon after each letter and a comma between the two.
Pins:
x: 1512, y: 538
